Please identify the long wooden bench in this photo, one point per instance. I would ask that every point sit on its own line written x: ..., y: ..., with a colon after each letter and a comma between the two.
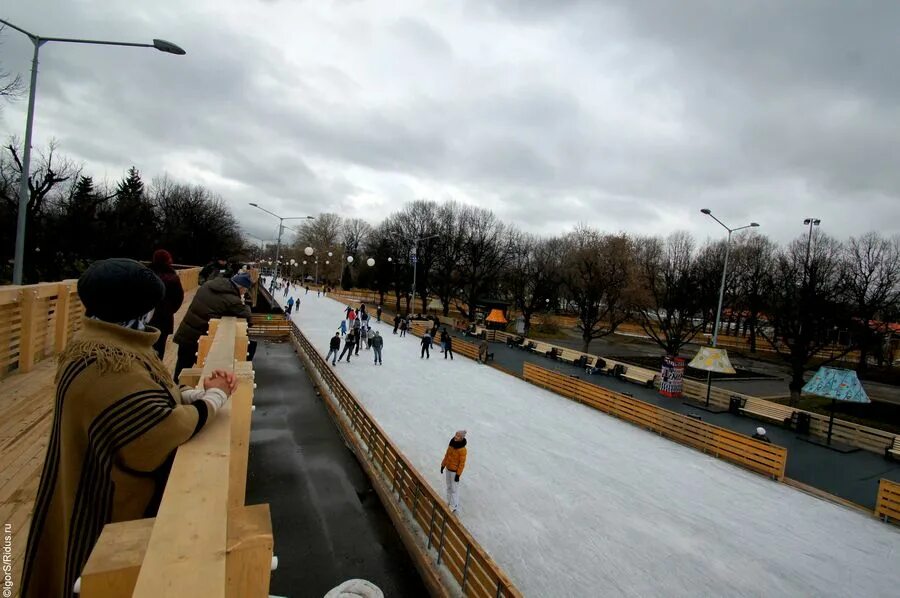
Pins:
x: 893, y: 451
x: 638, y: 376
x: 767, y: 410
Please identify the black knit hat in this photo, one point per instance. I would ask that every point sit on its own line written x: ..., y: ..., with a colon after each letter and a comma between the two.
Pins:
x: 119, y: 290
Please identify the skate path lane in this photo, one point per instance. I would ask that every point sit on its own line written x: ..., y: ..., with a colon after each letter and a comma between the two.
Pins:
x: 572, y: 502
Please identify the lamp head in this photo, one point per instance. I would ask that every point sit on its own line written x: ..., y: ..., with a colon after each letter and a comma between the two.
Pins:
x: 754, y: 224
x: 706, y: 211
x: 254, y: 205
x: 168, y: 47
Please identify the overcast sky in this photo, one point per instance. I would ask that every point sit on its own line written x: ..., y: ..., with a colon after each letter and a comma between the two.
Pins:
x: 626, y: 115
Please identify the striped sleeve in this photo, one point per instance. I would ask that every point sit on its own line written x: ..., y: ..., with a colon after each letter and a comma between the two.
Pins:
x: 175, y: 425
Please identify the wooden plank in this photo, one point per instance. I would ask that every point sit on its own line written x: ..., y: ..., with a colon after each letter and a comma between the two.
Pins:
x: 241, y: 403
x: 28, y: 298
x: 249, y: 552
x: 115, y: 561
x: 887, y: 505
x: 63, y: 304
x: 186, y: 554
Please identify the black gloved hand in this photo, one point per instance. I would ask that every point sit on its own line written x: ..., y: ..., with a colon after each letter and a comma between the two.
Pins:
x: 442, y: 469
x: 456, y: 478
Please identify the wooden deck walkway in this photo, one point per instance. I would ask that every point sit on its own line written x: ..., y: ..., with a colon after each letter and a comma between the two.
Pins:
x: 26, y: 405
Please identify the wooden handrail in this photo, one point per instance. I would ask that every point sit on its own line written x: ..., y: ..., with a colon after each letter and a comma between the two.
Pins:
x: 37, y: 320
x: 887, y: 505
x: 204, y: 541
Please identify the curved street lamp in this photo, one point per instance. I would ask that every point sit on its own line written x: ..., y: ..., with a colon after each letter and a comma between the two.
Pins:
x: 38, y: 41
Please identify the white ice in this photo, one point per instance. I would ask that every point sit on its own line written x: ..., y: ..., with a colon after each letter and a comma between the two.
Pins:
x: 572, y: 502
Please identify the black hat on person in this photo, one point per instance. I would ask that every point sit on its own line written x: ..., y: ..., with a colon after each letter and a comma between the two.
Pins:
x: 119, y: 290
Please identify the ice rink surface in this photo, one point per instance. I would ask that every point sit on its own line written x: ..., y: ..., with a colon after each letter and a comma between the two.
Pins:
x: 572, y: 502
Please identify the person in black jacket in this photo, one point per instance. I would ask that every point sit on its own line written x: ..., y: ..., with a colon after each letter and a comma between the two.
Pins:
x: 377, y: 345
x: 349, y: 344
x: 218, y: 298
x: 396, y: 322
x: 218, y: 268
x: 378, y: 312
x: 163, y: 317
x: 448, y: 345
x: 426, y: 346
x: 334, y: 347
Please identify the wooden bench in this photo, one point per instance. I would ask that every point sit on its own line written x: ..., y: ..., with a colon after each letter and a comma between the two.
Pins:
x: 769, y: 411
x: 569, y: 356
x: 639, y: 377
x: 893, y: 451
x: 529, y: 346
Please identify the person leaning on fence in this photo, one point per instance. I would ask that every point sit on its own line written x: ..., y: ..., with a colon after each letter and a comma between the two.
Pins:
x: 217, y: 298
x: 761, y: 435
x: 454, y: 463
x: 333, y: 347
x: 164, y: 314
x: 117, y: 420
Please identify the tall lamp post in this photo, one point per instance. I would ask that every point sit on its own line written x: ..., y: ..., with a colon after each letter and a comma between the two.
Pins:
x: 281, y: 220
x: 38, y: 41
x: 715, y: 336
x: 415, y: 265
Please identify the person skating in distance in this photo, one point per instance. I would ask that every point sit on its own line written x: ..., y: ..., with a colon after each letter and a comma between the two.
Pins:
x: 426, y: 346
x: 333, y: 347
x: 452, y: 467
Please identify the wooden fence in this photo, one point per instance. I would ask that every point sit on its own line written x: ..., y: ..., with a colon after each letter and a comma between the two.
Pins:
x: 204, y: 540
x: 455, y: 548
x: 887, y: 505
x: 37, y: 320
x: 761, y: 457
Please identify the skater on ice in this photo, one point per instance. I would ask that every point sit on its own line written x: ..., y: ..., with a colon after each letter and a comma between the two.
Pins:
x: 454, y: 462
x: 761, y: 435
x: 349, y: 341
x: 290, y: 306
x: 377, y: 345
x: 343, y: 327
x: 426, y: 346
x: 396, y: 323
x: 448, y: 346
x: 334, y: 347
x: 378, y: 312
x: 404, y: 324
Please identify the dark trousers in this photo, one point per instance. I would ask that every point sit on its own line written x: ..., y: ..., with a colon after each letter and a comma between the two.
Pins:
x: 160, y: 345
x: 426, y: 352
x: 448, y: 350
x: 348, y: 349
x: 187, y: 357
x: 377, y: 355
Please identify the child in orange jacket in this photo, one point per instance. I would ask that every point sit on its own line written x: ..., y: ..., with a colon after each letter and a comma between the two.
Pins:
x: 454, y: 462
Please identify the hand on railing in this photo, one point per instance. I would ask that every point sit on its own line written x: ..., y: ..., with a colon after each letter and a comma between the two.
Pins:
x: 223, y: 380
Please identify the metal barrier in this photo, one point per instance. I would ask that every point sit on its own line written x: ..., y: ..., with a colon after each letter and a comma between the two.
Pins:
x: 460, y: 554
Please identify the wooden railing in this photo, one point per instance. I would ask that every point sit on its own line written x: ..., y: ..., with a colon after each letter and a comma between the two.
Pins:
x: 204, y: 540
x: 761, y: 457
x: 37, y: 320
x: 887, y: 505
x: 455, y: 548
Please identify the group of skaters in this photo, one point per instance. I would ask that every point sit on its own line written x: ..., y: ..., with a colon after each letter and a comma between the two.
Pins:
x: 357, y: 332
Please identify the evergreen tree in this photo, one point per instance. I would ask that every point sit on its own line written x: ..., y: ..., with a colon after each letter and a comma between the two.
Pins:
x: 133, y: 230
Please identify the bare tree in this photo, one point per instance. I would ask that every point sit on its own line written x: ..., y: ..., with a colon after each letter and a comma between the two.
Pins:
x: 445, y: 280
x: 324, y: 235
x: 533, y: 274
x: 11, y: 87
x: 418, y: 220
x: 486, y: 251
x: 754, y: 266
x: 596, y: 276
x: 666, y: 302
x: 805, y: 305
x: 872, y: 284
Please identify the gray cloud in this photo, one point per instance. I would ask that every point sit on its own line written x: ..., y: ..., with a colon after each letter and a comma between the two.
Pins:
x: 627, y: 115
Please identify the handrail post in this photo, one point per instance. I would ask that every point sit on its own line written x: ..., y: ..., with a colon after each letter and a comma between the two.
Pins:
x: 415, y: 501
x: 431, y: 525
x: 441, y: 545
x: 466, y: 567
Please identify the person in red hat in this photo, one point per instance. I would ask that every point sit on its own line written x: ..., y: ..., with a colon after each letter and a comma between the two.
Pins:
x: 164, y: 314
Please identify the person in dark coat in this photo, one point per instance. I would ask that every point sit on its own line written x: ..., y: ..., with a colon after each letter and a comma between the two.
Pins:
x: 349, y: 343
x: 290, y: 306
x: 443, y: 338
x: 761, y: 435
x: 448, y: 346
x: 164, y: 314
x: 333, y: 348
x: 396, y: 322
x: 218, y: 268
x: 378, y: 312
x: 404, y: 324
x: 426, y: 346
x: 218, y: 298
x: 377, y: 345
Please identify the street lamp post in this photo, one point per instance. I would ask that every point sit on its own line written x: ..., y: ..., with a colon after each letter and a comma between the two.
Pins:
x: 416, y: 266
x: 715, y: 336
x: 281, y: 220
x: 810, y: 222
x: 38, y: 41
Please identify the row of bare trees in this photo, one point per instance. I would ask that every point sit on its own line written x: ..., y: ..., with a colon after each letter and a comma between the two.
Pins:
x: 73, y: 220
x: 835, y: 295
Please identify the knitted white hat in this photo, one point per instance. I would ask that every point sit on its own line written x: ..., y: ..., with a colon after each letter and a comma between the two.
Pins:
x: 761, y: 431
